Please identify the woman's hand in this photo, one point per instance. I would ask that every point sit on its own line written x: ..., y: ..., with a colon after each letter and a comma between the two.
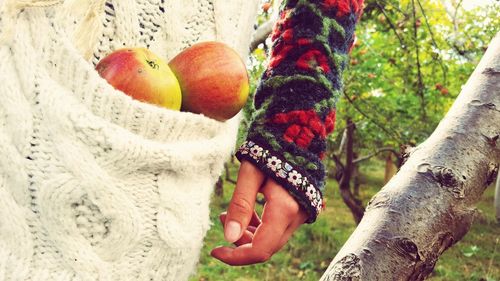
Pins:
x: 257, y: 240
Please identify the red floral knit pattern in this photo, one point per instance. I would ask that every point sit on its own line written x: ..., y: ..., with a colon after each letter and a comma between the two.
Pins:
x: 303, y: 126
x: 343, y: 7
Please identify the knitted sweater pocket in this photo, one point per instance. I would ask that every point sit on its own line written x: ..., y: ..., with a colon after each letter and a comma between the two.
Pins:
x: 96, y: 185
x: 295, y: 101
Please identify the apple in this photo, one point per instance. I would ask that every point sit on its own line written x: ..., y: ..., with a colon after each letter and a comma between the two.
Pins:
x: 142, y: 75
x: 266, y: 6
x: 418, y: 23
x: 213, y: 80
x: 382, y: 19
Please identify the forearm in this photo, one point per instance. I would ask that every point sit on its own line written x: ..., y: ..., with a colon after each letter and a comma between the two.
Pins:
x: 295, y: 101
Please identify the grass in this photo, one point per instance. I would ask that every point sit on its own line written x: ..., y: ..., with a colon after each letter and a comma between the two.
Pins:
x: 309, y: 252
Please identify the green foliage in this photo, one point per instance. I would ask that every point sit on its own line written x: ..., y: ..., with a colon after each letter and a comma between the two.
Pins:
x: 409, y: 64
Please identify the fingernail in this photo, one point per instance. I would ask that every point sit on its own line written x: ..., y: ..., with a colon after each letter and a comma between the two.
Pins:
x: 233, y: 231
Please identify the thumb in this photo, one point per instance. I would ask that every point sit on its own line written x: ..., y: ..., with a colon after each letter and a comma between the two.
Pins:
x: 241, y: 207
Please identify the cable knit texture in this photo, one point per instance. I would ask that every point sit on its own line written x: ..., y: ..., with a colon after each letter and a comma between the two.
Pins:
x: 295, y: 102
x: 95, y: 185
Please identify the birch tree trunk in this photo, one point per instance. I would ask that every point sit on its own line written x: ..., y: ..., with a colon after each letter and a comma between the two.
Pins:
x: 497, y: 199
x: 429, y: 205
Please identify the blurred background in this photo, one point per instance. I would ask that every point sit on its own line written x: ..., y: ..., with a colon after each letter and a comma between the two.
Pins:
x: 409, y: 63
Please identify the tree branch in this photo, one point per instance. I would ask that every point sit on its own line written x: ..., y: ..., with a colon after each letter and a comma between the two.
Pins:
x: 339, y: 165
x: 394, y: 134
x: 455, y: 14
x: 228, y: 174
x: 260, y: 35
x: 420, y: 81
x: 380, y: 150
x: 352, y: 203
x: 393, y: 27
x: 429, y: 205
x: 452, y: 14
x: 440, y: 59
x: 393, y: 6
x: 342, y: 142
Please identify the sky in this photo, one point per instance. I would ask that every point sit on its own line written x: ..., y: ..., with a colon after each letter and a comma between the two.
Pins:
x: 469, y: 4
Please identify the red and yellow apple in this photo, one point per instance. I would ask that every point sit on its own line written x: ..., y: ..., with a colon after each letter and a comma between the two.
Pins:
x: 142, y: 75
x: 213, y: 80
x: 266, y: 6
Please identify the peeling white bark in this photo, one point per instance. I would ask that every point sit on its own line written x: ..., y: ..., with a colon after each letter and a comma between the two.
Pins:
x: 429, y: 205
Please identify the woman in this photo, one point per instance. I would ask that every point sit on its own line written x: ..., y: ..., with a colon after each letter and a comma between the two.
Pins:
x: 97, y: 186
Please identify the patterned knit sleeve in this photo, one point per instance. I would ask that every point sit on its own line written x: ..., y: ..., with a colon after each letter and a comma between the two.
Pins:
x: 296, y: 97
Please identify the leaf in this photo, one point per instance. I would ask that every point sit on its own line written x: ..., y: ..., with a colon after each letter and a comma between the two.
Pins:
x: 471, y: 251
x: 306, y: 265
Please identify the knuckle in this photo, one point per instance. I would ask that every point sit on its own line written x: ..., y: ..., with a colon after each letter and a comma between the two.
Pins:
x: 240, y: 205
x: 289, y: 206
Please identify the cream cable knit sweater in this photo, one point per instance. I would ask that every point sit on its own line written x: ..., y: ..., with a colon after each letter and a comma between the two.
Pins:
x: 95, y: 185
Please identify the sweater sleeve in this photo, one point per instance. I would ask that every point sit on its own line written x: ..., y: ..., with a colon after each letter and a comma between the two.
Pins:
x: 296, y: 97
